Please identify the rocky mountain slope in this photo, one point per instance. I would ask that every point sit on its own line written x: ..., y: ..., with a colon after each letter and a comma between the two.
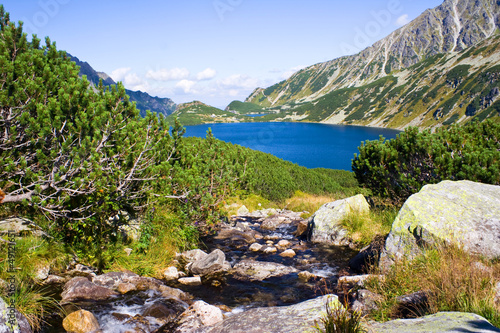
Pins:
x: 143, y: 100
x: 439, y: 68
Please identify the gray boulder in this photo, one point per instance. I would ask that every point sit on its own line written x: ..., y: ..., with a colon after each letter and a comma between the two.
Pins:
x: 462, y: 213
x: 10, y: 315
x: 296, y: 318
x: 210, y: 264
x: 445, y: 322
x: 20, y: 227
x: 81, y: 289
x: 249, y: 270
x: 326, y: 222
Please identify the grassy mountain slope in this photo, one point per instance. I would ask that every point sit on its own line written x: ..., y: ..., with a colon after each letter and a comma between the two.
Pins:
x: 195, y: 113
x: 384, y: 84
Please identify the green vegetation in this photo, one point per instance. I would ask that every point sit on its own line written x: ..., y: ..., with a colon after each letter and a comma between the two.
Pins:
x: 400, y: 167
x: 451, y: 279
x: 340, y: 320
x: 196, y: 113
x: 245, y: 107
x: 364, y: 228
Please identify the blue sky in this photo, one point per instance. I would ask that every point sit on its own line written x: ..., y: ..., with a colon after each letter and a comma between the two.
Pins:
x: 215, y: 51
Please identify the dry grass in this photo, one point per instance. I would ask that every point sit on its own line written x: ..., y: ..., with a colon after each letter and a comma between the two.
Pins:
x: 453, y: 280
x: 303, y: 202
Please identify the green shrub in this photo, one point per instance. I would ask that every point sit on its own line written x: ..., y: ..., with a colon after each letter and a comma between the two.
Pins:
x: 400, y: 167
x: 340, y: 320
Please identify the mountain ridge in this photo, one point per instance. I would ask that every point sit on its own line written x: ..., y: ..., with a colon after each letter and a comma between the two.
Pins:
x: 451, y: 28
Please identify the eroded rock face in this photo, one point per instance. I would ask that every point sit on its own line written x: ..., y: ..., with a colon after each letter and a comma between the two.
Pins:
x: 81, y: 321
x: 81, y: 289
x: 451, y: 322
x: 463, y: 213
x: 296, y: 318
x: 6, y: 313
x: 326, y: 222
x: 259, y: 270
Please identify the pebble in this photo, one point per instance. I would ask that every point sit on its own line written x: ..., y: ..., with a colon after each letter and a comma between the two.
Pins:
x: 270, y: 243
x: 284, y: 243
x: 305, y: 276
x: 288, y: 253
x: 190, y: 281
x: 255, y: 247
x: 270, y: 249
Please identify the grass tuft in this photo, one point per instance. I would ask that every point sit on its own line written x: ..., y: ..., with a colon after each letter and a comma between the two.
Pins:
x: 340, y: 320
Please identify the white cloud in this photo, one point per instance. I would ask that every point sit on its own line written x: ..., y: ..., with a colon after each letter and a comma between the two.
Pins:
x: 120, y: 73
x: 186, y: 86
x: 290, y: 72
x: 403, y: 20
x: 206, y: 74
x: 239, y: 81
x: 165, y: 74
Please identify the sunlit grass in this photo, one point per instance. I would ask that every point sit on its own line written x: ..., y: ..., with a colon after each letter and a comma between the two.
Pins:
x: 363, y: 228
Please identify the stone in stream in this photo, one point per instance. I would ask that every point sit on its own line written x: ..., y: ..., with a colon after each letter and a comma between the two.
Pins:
x: 298, y: 318
x: 197, y: 317
x: 192, y: 255
x: 274, y: 221
x: 462, y: 213
x: 305, y: 276
x: 249, y: 270
x: 235, y: 235
x: 171, y: 273
x: 284, y: 243
x: 81, y: 289
x: 255, y: 247
x: 212, y: 263
x: 326, y: 223
x: 288, y: 253
x: 190, y: 281
x: 270, y: 250
x: 6, y: 311
x: 81, y: 321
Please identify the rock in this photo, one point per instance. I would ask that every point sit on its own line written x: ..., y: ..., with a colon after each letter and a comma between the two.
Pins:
x: 414, y: 304
x: 236, y: 235
x: 7, y: 314
x: 296, y: 318
x: 270, y: 250
x: 258, y: 236
x: 21, y: 227
x: 171, y: 273
x: 210, y: 264
x: 462, y: 213
x: 243, y: 211
x: 131, y: 229
x: 159, y: 310
x: 193, y: 255
x: 176, y: 295
x: 305, y: 276
x: 356, y: 280
x: 198, y: 315
x: 81, y: 289
x: 368, y: 256
x: 284, y: 243
x: 442, y: 322
x: 255, y: 247
x: 54, y: 280
x: 326, y: 222
x: 42, y: 272
x: 113, y: 279
x: 366, y: 301
x: 124, y: 288
x: 273, y: 221
x: 81, y: 321
x: 288, y: 253
x: 250, y: 270
x: 128, y: 251
x: 190, y: 281
x: 301, y: 229
x: 81, y: 270
x: 270, y: 243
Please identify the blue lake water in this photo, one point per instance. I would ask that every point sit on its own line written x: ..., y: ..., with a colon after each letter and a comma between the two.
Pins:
x: 308, y: 144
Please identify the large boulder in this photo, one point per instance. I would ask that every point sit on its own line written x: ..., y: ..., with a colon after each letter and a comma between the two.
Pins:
x: 326, y: 222
x: 442, y: 322
x: 20, y: 227
x: 249, y: 270
x: 296, y: 318
x: 462, y: 213
x: 199, y: 315
x: 9, y: 316
x: 214, y: 262
x: 81, y: 321
x: 82, y: 289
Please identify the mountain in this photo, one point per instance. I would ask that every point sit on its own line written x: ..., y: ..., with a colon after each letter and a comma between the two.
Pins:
x: 195, y: 113
x: 143, y: 100
x: 441, y: 68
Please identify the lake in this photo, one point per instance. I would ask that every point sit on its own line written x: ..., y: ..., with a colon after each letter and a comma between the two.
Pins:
x: 308, y: 144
